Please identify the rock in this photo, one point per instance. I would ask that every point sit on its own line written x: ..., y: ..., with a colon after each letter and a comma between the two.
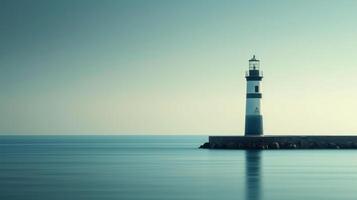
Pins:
x: 205, y: 146
x: 350, y: 145
x: 284, y: 145
x: 275, y: 145
x: 313, y: 145
x: 331, y: 145
x: 258, y: 146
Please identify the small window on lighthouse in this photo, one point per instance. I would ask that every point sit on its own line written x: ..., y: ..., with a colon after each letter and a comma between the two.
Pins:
x: 256, y: 88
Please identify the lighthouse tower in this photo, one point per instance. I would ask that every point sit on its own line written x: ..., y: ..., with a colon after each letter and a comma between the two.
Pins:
x: 253, y: 114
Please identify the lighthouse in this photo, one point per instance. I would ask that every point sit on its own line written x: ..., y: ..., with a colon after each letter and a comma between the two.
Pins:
x: 254, y: 139
x: 253, y: 113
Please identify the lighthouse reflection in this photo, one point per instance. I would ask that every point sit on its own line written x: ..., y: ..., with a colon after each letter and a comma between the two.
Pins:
x: 253, y: 174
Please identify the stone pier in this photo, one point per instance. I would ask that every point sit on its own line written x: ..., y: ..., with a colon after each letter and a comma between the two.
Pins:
x: 281, y: 142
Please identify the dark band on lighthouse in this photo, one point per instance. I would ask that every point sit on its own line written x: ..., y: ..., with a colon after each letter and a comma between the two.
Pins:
x: 254, y: 95
x: 253, y: 118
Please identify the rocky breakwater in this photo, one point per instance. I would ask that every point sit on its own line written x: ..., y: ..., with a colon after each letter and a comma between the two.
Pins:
x: 281, y: 142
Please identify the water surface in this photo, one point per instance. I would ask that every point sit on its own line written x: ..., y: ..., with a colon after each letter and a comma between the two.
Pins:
x: 167, y: 167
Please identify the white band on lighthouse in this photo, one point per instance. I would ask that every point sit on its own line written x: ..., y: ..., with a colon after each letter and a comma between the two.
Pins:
x: 253, y: 106
x: 253, y: 87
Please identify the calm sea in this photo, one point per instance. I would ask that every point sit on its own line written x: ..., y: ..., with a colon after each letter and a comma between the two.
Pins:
x: 167, y: 167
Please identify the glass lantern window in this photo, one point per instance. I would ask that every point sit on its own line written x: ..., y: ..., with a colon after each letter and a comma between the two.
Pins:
x: 254, y: 65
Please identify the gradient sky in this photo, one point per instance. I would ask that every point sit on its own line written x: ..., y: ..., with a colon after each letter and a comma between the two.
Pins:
x: 176, y: 67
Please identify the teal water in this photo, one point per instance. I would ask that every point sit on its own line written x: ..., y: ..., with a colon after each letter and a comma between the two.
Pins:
x: 167, y: 167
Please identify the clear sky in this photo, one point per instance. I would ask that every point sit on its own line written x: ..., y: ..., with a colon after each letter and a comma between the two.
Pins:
x: 176, y: 67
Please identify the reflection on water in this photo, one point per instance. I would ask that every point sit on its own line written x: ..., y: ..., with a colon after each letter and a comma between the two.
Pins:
x: 253, y: 174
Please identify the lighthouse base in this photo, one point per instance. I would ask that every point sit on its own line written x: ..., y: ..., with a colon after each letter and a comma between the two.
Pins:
x: 281, y: 142
x: 253, y: 125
